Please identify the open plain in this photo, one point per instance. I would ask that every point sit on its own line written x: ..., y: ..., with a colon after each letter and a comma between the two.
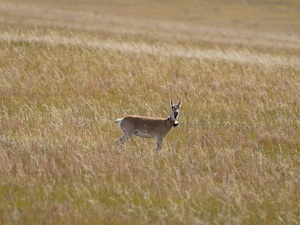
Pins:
x: 69, y: 68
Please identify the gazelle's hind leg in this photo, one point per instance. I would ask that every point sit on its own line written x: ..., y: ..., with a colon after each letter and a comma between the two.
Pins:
x: 122, y: 140
x: 125, y: 136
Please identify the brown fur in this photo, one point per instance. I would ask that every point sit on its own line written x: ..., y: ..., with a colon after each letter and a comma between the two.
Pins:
x: 148, y: 127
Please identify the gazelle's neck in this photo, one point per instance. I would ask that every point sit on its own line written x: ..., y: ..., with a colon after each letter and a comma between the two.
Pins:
x: 170, y: 118
x: 172, y: 121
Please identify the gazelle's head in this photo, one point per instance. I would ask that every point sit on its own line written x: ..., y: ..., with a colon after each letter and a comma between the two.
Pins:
x: 175, y: 109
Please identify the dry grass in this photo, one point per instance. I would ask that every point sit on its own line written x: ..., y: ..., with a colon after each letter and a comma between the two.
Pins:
x: 234, y: 158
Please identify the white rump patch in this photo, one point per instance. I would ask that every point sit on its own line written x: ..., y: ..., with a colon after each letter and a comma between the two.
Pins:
x: 118, y: 121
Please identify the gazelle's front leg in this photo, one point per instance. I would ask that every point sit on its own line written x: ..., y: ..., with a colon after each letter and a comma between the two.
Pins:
x: 158, y: 143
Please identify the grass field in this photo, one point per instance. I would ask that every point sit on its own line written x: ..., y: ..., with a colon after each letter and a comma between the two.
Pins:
x: 67, y: 71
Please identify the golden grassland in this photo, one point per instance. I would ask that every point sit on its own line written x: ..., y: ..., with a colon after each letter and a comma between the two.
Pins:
x: 67, y: 71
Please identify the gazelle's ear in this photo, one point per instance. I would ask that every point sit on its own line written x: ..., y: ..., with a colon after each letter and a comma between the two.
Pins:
x: 179, y: 104
x: 171, y: 102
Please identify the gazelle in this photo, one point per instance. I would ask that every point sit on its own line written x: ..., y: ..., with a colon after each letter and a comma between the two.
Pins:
x: 148, y: 127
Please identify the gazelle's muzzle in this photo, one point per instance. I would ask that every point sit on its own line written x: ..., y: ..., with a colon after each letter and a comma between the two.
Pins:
x: 176, y: 114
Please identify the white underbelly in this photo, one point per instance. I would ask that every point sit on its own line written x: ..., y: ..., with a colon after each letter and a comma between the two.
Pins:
x: 144, y: 134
